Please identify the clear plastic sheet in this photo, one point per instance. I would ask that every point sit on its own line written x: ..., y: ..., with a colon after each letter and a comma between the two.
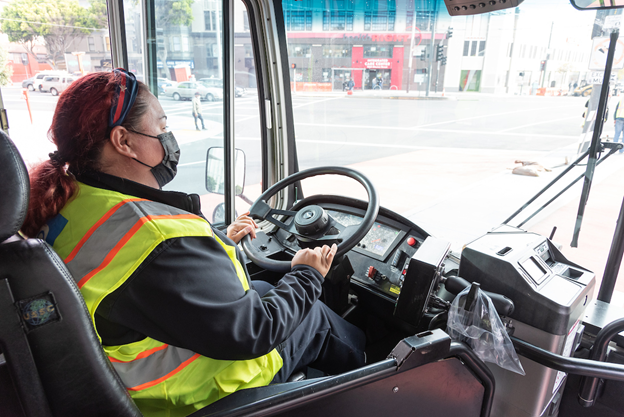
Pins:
x: 482, y: 329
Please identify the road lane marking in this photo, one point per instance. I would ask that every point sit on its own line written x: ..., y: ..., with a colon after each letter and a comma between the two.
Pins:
x: 192, y: 163
x: 416, y: 129
x: 385, y: 145
x: 489, y: 115
x: 537, y: 123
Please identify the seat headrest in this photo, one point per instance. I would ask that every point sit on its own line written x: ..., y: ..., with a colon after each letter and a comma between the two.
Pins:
x: 14, y: 188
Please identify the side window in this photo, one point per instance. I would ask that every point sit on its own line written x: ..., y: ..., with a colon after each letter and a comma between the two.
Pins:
x: 248, y: 137
x: 189, y: 55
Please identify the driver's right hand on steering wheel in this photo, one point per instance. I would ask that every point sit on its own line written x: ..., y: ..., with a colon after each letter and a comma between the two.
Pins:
x: 319, y: 258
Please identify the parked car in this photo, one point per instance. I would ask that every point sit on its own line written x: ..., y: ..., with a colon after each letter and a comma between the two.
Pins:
x: 29, y: 83
x: 41, y: 75
x: 164, y: 82
x: 218, y: 83
x: 186, y: 91
x: 583, y: 91
x: 56, y: 84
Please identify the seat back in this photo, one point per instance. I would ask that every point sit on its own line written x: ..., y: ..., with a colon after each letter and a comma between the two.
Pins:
x: 46, y: 333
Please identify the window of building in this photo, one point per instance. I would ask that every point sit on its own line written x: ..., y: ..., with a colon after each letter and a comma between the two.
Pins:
x: 377, y: 51
x: 91, y: 41
x: 466, y: 48
x: 185, y: 44
x: 175, y: 43
x: 409, y: 20
x: 107, y: 43
x: 210, y: 20
x: 245, y: 21
x: 379, y: 20
x: 338, y: 21
x: 298, y: 20
x: 336, y: 51
x: 473, y: 48
x: 299, y: 50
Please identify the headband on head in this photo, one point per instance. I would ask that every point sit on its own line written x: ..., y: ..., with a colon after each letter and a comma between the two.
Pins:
x: 125, y: 96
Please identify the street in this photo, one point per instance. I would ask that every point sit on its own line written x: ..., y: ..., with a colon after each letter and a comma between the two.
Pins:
x: 443, y: 163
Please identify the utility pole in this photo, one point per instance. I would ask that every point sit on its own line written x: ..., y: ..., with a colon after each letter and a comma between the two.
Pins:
x: 411, y: 50
x: 547, y: 54
x: 431, y: 55
x: 513, y: 50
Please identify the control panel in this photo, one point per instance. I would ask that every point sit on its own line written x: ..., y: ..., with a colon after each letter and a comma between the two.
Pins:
x: 387, y: 274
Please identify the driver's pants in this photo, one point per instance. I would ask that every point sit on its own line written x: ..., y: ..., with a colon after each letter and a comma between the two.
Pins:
x: 323, y: 340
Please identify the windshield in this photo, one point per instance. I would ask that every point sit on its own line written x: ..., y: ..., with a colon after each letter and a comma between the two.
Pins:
x: 441, y: 112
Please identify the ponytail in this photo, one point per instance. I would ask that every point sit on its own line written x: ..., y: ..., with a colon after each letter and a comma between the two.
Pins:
x: 80, y: 129
x: 51, y: 187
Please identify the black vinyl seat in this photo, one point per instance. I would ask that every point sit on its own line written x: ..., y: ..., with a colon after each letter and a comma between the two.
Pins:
x: 52, y: 356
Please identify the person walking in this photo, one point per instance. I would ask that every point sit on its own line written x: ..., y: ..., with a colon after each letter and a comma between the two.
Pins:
x: 618, y: 120
x: 197, y: 110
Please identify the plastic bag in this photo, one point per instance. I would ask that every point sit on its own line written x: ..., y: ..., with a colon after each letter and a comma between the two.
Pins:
x: 482, y: 329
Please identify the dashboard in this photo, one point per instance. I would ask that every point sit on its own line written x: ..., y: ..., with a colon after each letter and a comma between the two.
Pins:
x: 380, y: 260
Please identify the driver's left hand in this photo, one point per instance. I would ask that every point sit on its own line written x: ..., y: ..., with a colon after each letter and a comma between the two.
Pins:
x: 242, y: 226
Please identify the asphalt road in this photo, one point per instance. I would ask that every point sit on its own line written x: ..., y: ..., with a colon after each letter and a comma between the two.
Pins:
x: 342, y: 130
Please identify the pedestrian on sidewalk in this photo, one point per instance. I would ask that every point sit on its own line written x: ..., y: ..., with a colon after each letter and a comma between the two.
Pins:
x: 618, y: 119
x: 197, y: 110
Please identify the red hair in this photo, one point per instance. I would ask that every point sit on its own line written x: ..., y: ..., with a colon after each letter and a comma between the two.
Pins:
x: 80, y: 130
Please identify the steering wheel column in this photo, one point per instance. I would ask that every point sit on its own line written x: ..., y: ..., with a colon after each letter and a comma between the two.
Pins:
x: 312, y: 225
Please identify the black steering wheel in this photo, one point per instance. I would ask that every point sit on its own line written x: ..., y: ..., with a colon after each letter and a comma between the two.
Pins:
x: 311, y: 223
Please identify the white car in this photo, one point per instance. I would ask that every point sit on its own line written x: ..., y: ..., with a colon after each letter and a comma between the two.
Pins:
x: 43, y: 74
x: 218, y: 83
x: 56, y: 84
x: 186, y: 91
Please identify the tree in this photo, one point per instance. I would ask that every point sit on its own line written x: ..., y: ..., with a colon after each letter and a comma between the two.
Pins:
x: 5, y: 70
x: 60, y: 23
x: 170, y: 13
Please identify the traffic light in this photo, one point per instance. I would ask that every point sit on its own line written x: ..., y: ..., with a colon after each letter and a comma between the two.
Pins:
x: 422, y: 55
x: 293, y: 66
x: 542, y: 65
x: 439, y: 52
x: 443, y: 61
x: 449, y: 33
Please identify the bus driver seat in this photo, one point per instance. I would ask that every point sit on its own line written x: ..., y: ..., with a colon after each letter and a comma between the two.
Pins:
x: 52, y: 362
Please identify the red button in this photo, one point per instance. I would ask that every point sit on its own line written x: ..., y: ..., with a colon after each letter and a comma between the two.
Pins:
x: 411, y: 241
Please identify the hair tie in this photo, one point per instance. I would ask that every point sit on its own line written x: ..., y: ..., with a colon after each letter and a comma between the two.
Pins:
x: 124, y: 98
x: 56, y: 158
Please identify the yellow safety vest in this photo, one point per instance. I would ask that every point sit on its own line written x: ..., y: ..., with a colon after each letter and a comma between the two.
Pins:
x: 619, y: 114
x: 103, y: 236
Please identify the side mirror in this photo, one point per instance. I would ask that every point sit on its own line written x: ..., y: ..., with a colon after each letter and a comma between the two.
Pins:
x: 597, y: 4
x: 215, y: 171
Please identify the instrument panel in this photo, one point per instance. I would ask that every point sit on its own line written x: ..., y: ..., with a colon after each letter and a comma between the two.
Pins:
x: 381, y: 258
x: 378, y: 241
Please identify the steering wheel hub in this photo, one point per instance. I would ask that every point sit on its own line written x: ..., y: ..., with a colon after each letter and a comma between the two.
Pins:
x: 311, y: 220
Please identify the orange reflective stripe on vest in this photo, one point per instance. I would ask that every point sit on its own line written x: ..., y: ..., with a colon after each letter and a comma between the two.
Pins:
x: 153, y: 366
x: 107, y: 236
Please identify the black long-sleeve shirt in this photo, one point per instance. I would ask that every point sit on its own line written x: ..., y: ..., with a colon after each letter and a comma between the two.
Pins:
x: 186, y: 293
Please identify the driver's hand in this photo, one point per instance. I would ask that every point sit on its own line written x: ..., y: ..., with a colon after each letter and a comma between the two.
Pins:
x: 243, y: 225
x: 319, y: 258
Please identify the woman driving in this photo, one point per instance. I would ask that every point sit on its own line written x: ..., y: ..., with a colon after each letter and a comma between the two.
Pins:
x: 169, y: 296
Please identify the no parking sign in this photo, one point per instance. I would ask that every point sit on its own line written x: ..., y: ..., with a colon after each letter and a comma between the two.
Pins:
x: 600, y: 48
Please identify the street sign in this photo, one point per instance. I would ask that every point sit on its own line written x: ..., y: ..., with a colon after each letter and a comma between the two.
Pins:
x: 600, y: 48
x: 595, y: 77
x: 612, y: 22
x: 419, y: 78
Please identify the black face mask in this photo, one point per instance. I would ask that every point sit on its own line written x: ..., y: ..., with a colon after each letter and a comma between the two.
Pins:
x: 168, y: 168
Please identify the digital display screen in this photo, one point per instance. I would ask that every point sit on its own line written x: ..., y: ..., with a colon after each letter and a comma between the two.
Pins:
x: 535, y: 271
x: 378, y: 240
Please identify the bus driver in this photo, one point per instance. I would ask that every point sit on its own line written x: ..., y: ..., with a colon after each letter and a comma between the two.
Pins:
x: 173, y: 306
